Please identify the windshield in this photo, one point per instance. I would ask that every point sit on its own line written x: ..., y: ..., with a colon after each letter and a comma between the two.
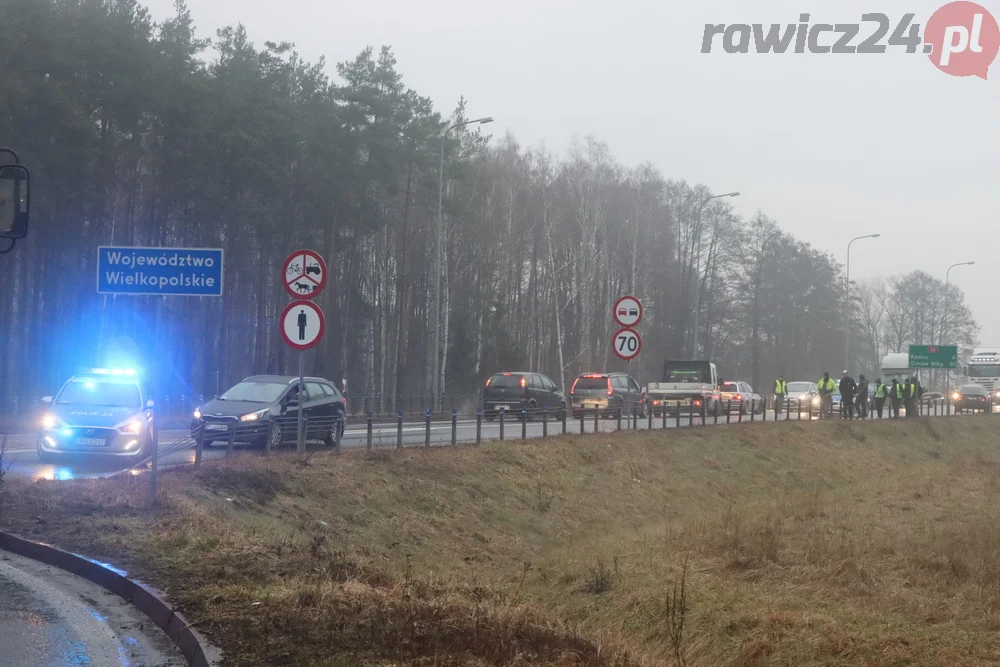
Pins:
x: 255, y: 392
x: 984, y: 370
x: 97, y: 393
x: 687, y: 372
x: 501, y: 380
x: 591, y: 383
x: 800, y: 387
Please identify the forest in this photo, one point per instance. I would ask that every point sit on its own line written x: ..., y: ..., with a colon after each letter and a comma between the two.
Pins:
x: 145, y: 134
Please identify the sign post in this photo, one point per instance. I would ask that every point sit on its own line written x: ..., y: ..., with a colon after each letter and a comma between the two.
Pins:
x: 304, y: 276
x: 627, y: 343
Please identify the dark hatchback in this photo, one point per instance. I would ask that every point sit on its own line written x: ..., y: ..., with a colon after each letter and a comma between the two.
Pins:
x: 264, y: 408
x: 972, y: 397
x: 613, y: 394
x: 515, y: 392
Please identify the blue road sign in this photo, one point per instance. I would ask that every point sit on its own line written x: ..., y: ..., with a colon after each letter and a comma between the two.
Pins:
x: 159, y: 271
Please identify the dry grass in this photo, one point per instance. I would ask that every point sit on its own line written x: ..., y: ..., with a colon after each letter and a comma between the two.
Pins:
x: 811, y: 544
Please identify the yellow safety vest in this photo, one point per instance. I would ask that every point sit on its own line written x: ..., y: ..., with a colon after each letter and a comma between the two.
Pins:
x: 880, y: 390
x: 828, y: 385
x: 780, y: 387
x: 899, y: 391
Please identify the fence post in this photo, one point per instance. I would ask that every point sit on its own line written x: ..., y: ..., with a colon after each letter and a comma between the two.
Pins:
x: 199, y: 448
x: 739, y: 418
x: 649, y: 416
x: 564, y: 419
x: 663, y: 415
x: 635, y: 418
x: 454, y: 426
x: 479, y: 426
x: 729, y: 411
x: 503, y: 411
x: 154, y: 471
x: 231, y: 445
x: 427, y: 428
x: 753, y: 409
x: 716, y: 411
x: 763, y: 417
x: 369, y: 440
x: 545, y: 421
x: 618, y: 414
x: 524, y: 424
x: 704, y: 412
x: 690, y: 414
x: 677, y: 417
x: 788, y: 410
x: 582, y: 414
x: 399, y: 429
x: 597, y: 416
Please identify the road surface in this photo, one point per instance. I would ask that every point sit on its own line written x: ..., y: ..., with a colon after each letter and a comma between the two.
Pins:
x: 50, y: 618
x: 21, y: 459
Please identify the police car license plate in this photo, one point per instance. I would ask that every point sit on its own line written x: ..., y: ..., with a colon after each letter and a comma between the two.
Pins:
x: 217, y: 427
x: 90, y: 442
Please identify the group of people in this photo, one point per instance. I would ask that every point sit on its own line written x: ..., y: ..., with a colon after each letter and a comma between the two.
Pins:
x: 854, y: 396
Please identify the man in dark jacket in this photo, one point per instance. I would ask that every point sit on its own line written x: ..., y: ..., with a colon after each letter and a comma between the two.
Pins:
x: 861, y: 402
x: 848, y: 389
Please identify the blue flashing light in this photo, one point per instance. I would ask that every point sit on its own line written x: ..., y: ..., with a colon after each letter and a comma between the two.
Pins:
x: 113, y: 371
x: 67, y: 432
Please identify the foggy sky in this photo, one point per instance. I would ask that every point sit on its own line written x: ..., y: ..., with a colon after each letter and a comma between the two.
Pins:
x: 830, y: 146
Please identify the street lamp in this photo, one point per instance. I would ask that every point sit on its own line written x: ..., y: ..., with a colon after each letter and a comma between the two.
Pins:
x: 944, y: 323
x: 847, y: 333
x: 437, y: 258
x: 697, y: 277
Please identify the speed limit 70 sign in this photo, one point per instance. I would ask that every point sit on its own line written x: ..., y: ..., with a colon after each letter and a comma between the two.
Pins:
x: 627, y: 344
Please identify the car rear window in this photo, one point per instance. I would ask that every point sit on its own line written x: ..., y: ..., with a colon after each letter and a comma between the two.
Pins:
x: 730, y: 386
x: 973, y: 389
x: 592, y: 383
x: 501, y: 380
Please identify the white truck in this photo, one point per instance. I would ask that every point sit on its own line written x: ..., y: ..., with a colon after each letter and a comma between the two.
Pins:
x: 687, y: 387
x: 984, y: 369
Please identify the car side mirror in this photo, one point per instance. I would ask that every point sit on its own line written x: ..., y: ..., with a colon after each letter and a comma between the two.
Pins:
x: 15, y: 201
x: 149, y: 405
x: 47, y: 400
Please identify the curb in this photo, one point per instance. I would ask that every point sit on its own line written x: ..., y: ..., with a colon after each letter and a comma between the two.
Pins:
x: 196, y: 649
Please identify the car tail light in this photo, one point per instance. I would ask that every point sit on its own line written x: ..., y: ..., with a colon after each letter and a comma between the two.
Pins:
x: 739, y: 397
x: 488, y: 380
x: 697, y: 403
x: 572, y: 389
x: 524, y: 382
x: 611, y: 390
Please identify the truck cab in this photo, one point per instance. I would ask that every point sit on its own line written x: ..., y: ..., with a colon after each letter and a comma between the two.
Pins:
x: 984, y: 369
x: 687, y: 387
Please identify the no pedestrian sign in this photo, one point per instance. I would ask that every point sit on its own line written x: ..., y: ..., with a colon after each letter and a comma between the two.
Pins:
x: 304, y: 274
x: 302, y: 325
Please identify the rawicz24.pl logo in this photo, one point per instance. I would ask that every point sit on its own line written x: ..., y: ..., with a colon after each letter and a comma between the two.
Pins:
x: 961, y: 38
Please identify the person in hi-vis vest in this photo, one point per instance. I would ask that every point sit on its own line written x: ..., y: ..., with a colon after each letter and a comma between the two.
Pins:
x: 880, y: 393
x: 895, y: 398
x: 780, y: 391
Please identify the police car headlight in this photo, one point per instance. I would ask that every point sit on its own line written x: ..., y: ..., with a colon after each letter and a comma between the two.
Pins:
x: 254, y: 416
x: 131, y: 426
x: 50, y: 421
x: 197, y: 413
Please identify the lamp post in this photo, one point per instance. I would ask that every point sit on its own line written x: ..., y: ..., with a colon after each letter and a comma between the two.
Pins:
x: 697, y: 276
x: 437, y: 260
x: 944, y: 322
x: 847, y: 291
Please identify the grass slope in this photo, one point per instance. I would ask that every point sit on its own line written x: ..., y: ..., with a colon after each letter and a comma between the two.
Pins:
x: 801, y: 544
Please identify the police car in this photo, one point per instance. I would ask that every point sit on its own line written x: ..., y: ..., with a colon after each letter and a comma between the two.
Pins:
x: 103, y: 412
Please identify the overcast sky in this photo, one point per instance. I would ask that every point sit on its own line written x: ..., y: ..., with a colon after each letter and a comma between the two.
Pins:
x: 831, y: 146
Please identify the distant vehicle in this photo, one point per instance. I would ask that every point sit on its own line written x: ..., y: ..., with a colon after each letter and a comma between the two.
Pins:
x: 803, y: 396
x: 972, y: 398
x: 687, y: 387
x: 101, y: 413
x: 741, y: 397
x: 264, y: 408
x: 613, y: 394
x: 931, y: 398
x: 984, y: 369
x: 517, y: 391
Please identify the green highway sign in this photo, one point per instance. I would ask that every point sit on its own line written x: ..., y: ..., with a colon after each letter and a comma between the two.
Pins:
x: 933, y: 356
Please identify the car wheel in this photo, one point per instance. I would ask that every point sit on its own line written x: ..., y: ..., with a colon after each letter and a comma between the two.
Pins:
x: 530, y: 411
x: 276, y: 435
x: 335, y: 434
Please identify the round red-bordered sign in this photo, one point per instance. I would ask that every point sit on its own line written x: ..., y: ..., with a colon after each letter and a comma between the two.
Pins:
x: 627, y: 344
x: 304, y: 274
x: 627, y: 312
x: 302, y: 325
